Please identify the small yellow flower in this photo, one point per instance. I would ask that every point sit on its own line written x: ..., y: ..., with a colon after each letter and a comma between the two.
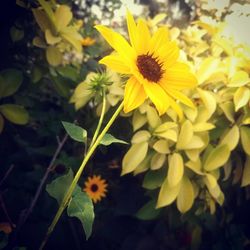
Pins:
x: 152, y: 64
x: 96, y: 188
x: 88, y: 41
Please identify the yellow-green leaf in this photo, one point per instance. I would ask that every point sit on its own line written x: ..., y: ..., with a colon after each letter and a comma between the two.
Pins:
x: 41, y: 19
x: 195, y: 166
x: 185, y: 198
x: 207, y: 68
x: 73, y: 37
x: 193, y: 154
x: 228, y: 109
x: 202, y: 126
x: 231, y: 137
x: 175, y: 169
x: 246, y: 173
x: 195, y: 143
x: 208, y: 100
x: 185, y: 135
x: 165, y: 126
x: 161, y: 146
x: 138, y: 120
x: 157, y: 161
x: 53, y: 55
x: 241, y: 97
x: 153, y: 117
x: 217, y: 157
x: 169, y: 134
x: 245, y: 138
x: 63, y: 16
x: 240, y: 78
x: 167, y: 194
x: 50, y: 38
x: 134, y: 157
x: 141, y: 136
x: 15, y: 113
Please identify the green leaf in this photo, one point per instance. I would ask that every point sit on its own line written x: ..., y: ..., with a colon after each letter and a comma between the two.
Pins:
x: 154, y: 179
x: 10, y: 81
x: 81, y: 207
x: 16, y: 34
x: 217, y: 157
x: 58, y: 187
x: 61, y: 86
x: 109, y: 139
x: 148, y: 211
x: 75, y: 132
x: 15, y: 113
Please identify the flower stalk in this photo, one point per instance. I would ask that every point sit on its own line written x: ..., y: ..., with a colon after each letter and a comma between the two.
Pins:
x: 68, y: 195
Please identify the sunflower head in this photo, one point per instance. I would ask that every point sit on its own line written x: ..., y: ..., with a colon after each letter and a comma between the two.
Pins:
x: 96, y: 188
x: 152, y: 64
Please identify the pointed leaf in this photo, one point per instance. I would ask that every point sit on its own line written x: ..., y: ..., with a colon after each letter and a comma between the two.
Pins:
x: 185, y: 198
x: 231, y: 138
x: 161, y: 146
x: 240, y: 78
x: 241, y: 97
x: 148, y: 211
x: 175, y: 169
x: 109, y: 139
x: 246, y: 173
x: 154, y: 179
x: 53, y: 55
x: 58, y: 187
x: 134, y: 157
x: 245, y: 139
x: 186, y: 133
x: 81, y: 207
x: 167, y: 194
x: 153, y: 117
x: 63, y: 16
x: 10, y: 81
x: 141, y: 136
x: 15, y: 113
x: 75, y: 132
x: 157, y: 161
x: 217, y: 157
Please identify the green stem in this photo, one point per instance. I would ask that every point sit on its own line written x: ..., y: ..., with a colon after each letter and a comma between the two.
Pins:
x: 100, y: 120
x: 77, y: 176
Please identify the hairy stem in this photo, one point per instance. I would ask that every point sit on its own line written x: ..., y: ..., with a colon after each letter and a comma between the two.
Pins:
x: 77, y: 176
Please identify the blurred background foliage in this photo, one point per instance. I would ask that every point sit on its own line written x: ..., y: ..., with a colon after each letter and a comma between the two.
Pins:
x: 44, y: 73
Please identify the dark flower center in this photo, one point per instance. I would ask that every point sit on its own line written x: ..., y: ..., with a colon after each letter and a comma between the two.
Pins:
x: 94, y: 187
x: 150, y: 67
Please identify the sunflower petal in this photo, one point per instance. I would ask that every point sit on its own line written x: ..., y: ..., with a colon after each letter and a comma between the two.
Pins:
x: 160, y: 37
x: 116, y: 63
x: 179, y: 77
x: 168, y: 53
x: 117, y: 42
x: 157, y: 96
x: 132, y: 29
x: 181, y: 97
x: 134, y: 95
x: 142, y: 45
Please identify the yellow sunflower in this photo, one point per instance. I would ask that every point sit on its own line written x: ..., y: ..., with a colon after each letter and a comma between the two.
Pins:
x: 96, y: 188
x: 152, y: 64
